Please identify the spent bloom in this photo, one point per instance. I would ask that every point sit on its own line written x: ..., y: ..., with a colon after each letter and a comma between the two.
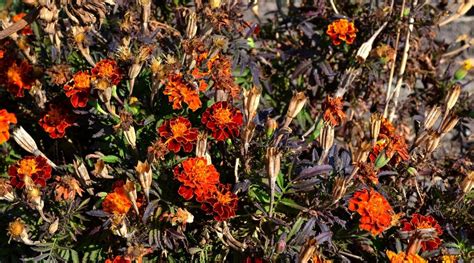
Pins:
x: 402, y: 257
x: 223, y: 120
x: 56, y: 121
x: 342, y: 30
x: 178, y: 134
x: 333, y: 113
x: 6, y: 119
x: 67, y: 187
x: 198, y: 178
x: 221, y: 73
x: 36, y: 168
x: 419, y: 222
x: 79, y: 90
x: 375, y: 211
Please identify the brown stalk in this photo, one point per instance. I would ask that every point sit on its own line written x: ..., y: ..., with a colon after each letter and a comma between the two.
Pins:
x: 19, y: 25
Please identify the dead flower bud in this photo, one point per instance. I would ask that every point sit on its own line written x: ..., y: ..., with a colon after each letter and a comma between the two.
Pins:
x: 54, y: 226
x: 83, y: 175
x: 132, y: 194
x: 449, y: 122
x: 296, y: 105
x: 101, y: 170
x: 251, y: 102
x: 17, y: 231
x: 145, y: 176
x: 248, y: 134
x: 431, y: 117
x: 452, y: 97
x: 375, y: 123
x: 468, y: 183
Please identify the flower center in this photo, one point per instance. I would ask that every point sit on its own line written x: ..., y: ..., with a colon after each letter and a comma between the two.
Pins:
x: 179, y: 129
x: 82, y: 81
x: 16, y: 228
x: 27, y: 167
x: 223, y: 116
x: 424, y: 225
x: 106, y: 70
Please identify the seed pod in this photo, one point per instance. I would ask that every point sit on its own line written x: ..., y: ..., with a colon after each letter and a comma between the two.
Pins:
x: 132, y: 194
x: 432, y: 142
x: 449, y: 122
x: 365, y: 49
x: 375, y: 123
x: 296, y: 105
x: 339, y: 189
x: 131, y: 137
x: 28, y: 144
x: 272, y: 163
x: 327, y: 137
x: 251, y: 102
x: 54, y: 226
x: 145, y: 176
x: 452, y: 97
x: 431, y: 117
x: 362, y: 153
x: 191, y: 27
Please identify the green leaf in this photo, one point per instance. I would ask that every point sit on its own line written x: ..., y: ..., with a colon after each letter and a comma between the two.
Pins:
x: 296, y: 227
x: 74, y: 256
x: 290, y: 203
x: 110, y: 158
x: 280, y: 181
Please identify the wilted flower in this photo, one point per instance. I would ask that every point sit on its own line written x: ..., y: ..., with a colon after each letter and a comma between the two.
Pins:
x: 117, y: 202
x: 367, y: 173
x: 79, y: 91
x: 35, y: 168
x: 6, y: 119
x: 404, y: 258
x: 182, y: 217
x: 19, y: 78
x: 222, y: 203
x: 67, y: 187
x: 198, y: 178
x: 419, y: 222
x: 375, y: 211
x: 221, y: 74
x: 18, y: 232
x: 178, y: 134
x: 157, y: 150
x: 223, y: 120
x: 59, y: 74
x: 333, y: 113
x: 56, y: 121
x: 6, y: 190
x: 178, y: 92
x: 342, y: 30
x: 105, y: 74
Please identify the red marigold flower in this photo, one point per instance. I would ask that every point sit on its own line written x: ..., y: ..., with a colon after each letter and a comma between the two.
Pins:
x: 197, y: 177
x: 341, y: 30
x: 118, y: 259
x: 333, y: 112
x: 19, y: 78
x: 178, y: 133
x: 375, y: 211
x: 106, y: 73
x: 221, y: 73
x: 6, y: 119
x: 79, y: 91
x: 223, y: 120
x: 117, y: 202
x: 222, y: 203
x: 423, y: 222
x: 26, y: 31
x: 178, y: 92
x: 37, y: 168
x: 56, y: 121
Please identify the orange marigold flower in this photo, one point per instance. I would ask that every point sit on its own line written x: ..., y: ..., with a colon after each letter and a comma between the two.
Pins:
x: 19, y: 78
x: 66, y: 188
x: 404, y: 258
x: 178, y: 134
x: 375, y: 211
x: 178, y: 92
x: 106, y: 73
x: 423, y: 222
x: 26, y: 31
x: 79, y: 91
x: 117, y: 202
x: 222, y: 203
x: 223, y: 120
x: 333, y: 113
x: 342, y: 30
x: 6, y: 119
x: 56, y: 121
x: 395, y: 148
x: 197, y: 177
x: 221, y: 73
x: 37, y: 168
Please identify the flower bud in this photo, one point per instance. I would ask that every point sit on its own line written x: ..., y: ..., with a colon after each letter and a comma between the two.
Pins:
x: 281, y: 244
x: 460, y: 74
x: 382, y: 160
x: 431, y: 117
x: 145, y: 176
x: 296, y: 105
x: 270, y: 127
x: 452, y: 97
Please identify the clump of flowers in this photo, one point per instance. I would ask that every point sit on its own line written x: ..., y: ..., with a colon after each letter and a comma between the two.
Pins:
x: 56, y: 121
x: 178, y: 134
x: 6, y: 119
x: 333, y: 113
x: 420, y: 222
x: 79, y: 90
x: 179, y: 92
x: 402, y: 257
x: 105, y: 74
x: 223, y: 120
x: 19, y: 78
x: 117, y: 202
x: 342, y: 30
x: 375, y: 211
x: 36, y: 168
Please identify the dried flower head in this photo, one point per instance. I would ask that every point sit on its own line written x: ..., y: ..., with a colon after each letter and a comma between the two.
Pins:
x: 222, y: 120
x: 16, y: 228
x: 221, y: 74
x: 34, y: 168
x: 6, y: 119
x: 178, y: 134
x: 342, y: 30
x: 59, y: 74
x: 333, y: 113
x: 67, y: 187
x: 56, y: 121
